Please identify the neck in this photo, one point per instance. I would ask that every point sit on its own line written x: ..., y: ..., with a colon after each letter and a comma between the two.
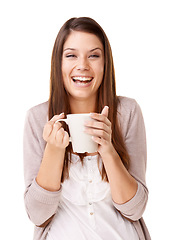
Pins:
x: 82, y: 106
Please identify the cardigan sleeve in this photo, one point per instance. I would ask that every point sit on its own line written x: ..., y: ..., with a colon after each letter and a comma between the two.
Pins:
x: 40, y: 204
x: 135, y: 140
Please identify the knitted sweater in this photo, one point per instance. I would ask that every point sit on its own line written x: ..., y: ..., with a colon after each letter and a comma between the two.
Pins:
x: 42, y: 204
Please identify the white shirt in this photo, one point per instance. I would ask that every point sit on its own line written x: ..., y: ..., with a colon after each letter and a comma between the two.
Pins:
x: 86, y: 211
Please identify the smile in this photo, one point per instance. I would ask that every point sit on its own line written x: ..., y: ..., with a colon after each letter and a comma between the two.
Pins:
x: 82, y: 80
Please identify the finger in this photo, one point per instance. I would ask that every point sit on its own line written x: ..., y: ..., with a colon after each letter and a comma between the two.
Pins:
x: 66, y: 138
x: 51, y: 128
x: 101, y: 118
x: 98, y: 125
x: 47, y: 131
x: 59, y: 136
x: 105, y: 111
x: 98, y: 133
x: 56, y: 117
x: 98, y: 140
x: 56, y: 128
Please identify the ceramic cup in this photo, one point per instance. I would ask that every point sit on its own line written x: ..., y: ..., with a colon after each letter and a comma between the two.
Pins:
x: 81, y: 141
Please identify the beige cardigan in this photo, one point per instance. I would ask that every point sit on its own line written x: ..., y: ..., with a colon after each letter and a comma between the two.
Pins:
x: 41, y: 204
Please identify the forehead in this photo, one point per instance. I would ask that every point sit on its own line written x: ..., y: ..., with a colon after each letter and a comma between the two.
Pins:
x: 84, y: 40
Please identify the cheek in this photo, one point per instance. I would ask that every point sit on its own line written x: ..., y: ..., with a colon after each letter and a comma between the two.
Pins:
x: 64, y: 69
x: 65, y: 74
x: 100, y: 72
x: 67, y: 68
x: 99, y: 68
x: 99, y: 77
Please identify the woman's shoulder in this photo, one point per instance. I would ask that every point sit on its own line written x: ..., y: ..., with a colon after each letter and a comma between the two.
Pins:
x: 128, y: 112
x: 126, y: 105
x: 38, y: 114
x: 39, y: 108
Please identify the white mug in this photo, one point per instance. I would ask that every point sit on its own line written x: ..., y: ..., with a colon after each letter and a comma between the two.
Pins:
x: 81, y: 141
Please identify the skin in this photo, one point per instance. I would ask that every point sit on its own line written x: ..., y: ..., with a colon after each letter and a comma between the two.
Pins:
x: 83, y: 55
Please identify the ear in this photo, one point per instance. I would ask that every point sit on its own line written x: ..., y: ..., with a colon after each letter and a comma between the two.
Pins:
x: 105, y: 111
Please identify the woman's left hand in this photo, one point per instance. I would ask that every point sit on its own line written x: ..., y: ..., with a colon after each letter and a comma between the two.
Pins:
x: 100, y: 129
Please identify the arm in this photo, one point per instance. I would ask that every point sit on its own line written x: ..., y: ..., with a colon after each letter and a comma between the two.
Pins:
x: 135, y: 140
x: 41, y: 200
x: 123, y: 185
x: 50, y: 171
x: 128, y: 189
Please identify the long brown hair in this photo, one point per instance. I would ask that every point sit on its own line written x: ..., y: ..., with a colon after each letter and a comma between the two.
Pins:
x: 58, y: 100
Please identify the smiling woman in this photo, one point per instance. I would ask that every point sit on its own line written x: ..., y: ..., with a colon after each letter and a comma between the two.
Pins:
x: 99, y: 195
x: 82, y: 67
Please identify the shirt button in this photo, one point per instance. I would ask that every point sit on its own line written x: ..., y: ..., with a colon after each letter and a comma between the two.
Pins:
x: 89, y: 158
x: 90, y: 203
x: 90, y: 181
x: 91, y: 213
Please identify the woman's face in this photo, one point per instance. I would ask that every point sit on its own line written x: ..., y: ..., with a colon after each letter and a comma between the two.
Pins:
x: 82, y: 65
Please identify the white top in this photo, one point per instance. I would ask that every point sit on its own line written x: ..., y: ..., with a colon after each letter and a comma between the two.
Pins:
x: 86, y: 210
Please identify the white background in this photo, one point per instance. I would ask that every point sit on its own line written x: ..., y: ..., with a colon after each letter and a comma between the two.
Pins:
x: 141, y: 40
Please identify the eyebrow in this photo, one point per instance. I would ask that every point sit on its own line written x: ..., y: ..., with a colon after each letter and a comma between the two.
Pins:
x: 73, y: 49
x: 69, y: 49
x: 92, y: 50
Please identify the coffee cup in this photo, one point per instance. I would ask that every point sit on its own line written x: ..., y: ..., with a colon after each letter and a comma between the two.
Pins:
x: 81, y: 141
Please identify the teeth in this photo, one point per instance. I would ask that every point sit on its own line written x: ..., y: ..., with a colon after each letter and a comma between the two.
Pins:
x: 82, y: 79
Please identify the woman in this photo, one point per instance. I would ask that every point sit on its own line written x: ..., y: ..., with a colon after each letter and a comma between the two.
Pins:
x: 85, y: 196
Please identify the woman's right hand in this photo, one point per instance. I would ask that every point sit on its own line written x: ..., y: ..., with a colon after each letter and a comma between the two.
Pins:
x: 51, y: 168
x: 54, y: 134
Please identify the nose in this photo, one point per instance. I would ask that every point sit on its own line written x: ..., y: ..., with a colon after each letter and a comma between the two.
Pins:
x: 83, y: 64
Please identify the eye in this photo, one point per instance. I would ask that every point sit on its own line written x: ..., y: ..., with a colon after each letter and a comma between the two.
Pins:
x: 70, y: 56
x: 94, y: 56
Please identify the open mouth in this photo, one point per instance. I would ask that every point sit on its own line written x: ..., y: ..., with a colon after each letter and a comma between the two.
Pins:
x: 82, y: 80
